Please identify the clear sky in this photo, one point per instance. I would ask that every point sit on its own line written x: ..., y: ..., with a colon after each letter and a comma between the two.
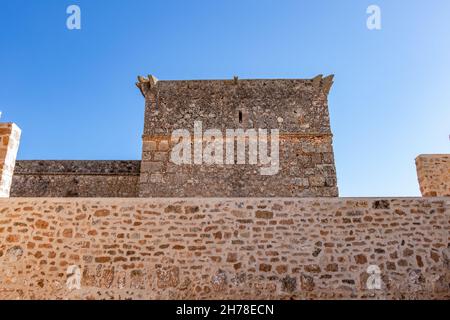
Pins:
x: 72, y: 91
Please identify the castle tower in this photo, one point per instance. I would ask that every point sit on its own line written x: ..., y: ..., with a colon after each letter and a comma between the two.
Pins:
x: 297, y: 108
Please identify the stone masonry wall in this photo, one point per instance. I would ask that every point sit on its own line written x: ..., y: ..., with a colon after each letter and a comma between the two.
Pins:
x: 290, y: 248
x: 76, y: 179
x: 9, y: 145
x: 306, y: 170
x: 433, y: 172
x: 297, y: 108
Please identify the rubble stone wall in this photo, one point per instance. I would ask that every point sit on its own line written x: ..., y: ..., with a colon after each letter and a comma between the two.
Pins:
x: 9, y: 145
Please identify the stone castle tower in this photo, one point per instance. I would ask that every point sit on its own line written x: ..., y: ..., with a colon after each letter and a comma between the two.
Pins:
x: 297, y: 108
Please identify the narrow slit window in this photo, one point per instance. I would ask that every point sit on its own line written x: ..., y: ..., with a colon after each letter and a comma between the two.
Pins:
x: 240, y: 116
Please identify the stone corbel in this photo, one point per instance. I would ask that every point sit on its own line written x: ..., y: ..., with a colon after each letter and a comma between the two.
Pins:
x: 146, y: 84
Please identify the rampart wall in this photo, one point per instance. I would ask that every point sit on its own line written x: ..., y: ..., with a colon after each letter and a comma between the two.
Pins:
x: 433, y: 172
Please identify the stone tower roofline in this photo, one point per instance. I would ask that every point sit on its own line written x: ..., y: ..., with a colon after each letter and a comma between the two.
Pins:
x: 321, y: 83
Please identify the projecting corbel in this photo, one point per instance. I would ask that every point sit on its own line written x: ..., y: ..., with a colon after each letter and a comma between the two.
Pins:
x: 145, y: 84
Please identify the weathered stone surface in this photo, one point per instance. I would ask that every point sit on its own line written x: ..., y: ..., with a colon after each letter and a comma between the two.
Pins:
x: 297, y: 107
x: 168, y: 276
x: 170, y: 248
x: 288, y: 284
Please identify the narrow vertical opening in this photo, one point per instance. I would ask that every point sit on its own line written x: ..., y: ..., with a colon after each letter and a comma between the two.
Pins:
x: 240, y: 116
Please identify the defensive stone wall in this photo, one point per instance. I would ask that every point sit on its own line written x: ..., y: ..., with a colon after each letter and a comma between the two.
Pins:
x: 76, y: 179
x: 258, y: 248
x: 433, y: 172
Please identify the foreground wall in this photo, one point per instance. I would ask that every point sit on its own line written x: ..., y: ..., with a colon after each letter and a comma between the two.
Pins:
x: 70, y: 178
x: 225, y: 248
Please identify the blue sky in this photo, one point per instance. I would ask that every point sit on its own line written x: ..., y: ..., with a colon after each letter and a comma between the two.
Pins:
x: 73, y: 93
